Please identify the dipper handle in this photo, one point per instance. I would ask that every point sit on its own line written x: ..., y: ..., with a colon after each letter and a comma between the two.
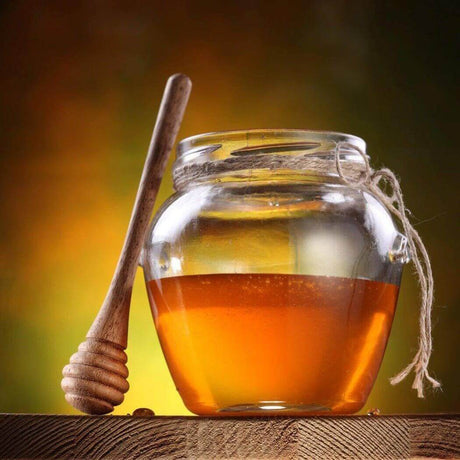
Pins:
x: 95, y: 380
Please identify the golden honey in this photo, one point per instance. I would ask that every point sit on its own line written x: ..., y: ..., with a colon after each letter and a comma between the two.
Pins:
x: 272, y: 343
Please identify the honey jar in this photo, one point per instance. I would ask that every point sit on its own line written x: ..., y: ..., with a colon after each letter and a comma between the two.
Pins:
x: 272, y: 281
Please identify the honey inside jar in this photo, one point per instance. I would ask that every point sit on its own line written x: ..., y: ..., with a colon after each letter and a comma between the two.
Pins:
x: 272, y: 343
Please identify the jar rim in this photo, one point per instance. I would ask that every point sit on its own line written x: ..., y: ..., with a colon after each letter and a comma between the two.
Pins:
x: 243, y: 155
x: 287, y: 135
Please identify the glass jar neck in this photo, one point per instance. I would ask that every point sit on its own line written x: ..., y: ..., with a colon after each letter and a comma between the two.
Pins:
x: 265, y: 155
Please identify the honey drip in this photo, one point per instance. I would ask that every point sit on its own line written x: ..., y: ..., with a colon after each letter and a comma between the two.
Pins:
x: 263, y: 343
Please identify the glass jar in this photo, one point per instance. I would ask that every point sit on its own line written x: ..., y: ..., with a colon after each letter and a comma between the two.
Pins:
x: 273, y: 288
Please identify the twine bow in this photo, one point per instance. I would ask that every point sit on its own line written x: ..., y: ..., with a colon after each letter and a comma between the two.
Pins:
x: 377, y: 181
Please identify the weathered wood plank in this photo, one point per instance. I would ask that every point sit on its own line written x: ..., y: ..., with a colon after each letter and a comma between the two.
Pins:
x: 354, y: 437
x: 379, y: 437
x: 430, y: 439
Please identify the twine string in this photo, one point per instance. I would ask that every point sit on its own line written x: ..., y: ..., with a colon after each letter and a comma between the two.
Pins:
x: 376, y: 181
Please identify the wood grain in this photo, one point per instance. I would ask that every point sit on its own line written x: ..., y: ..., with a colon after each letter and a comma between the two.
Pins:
x: 362, y: 437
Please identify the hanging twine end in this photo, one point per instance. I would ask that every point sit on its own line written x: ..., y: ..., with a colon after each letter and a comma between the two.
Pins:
x: 417, y: 384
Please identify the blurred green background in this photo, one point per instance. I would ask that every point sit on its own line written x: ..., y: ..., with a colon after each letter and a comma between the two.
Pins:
x: 80, y: 87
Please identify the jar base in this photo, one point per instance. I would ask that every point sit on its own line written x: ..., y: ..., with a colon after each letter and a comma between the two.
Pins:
x: 274, y: 408
x: 278, y: 408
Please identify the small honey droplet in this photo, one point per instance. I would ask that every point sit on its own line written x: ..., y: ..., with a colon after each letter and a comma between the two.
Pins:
x: 374, y: 412
x: 143, y: 412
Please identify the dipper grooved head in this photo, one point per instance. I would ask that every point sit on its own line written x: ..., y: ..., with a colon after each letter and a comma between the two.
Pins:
x: 95, y: 380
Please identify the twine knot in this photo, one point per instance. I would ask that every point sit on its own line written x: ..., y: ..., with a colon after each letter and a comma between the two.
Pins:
x: 384, y: 184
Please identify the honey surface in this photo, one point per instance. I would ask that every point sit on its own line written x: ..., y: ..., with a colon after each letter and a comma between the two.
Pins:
x: 291, y: 343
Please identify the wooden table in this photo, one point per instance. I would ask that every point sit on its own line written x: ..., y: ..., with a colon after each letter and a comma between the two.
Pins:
x: 366, y: 437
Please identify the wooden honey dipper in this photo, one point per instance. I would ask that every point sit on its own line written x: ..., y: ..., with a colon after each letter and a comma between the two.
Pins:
x: 95, y: 380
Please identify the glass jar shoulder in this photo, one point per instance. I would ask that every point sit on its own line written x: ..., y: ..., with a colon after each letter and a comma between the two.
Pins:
x: 269, y: 202
x: 295, y: 228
